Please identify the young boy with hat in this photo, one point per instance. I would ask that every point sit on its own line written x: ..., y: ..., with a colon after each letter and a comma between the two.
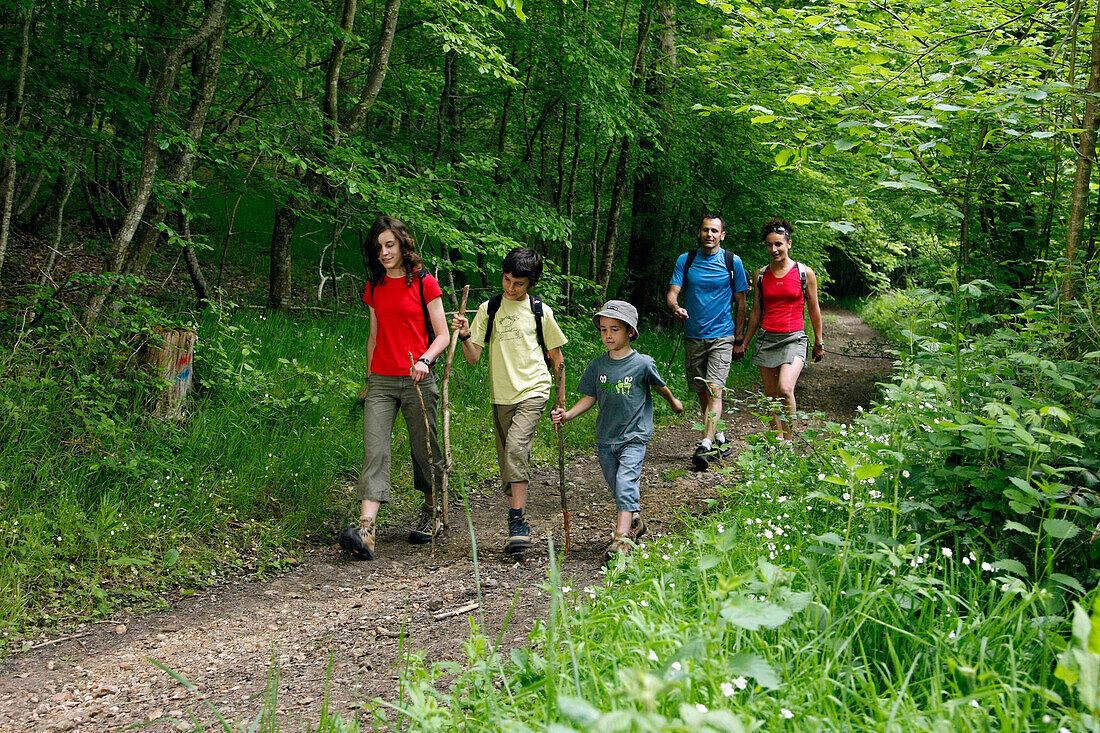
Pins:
x: 621, y: 381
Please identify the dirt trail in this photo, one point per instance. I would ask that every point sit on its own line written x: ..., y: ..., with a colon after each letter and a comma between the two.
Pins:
x: 224, y: 640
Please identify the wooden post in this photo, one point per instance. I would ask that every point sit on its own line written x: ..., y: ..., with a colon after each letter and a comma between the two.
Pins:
x: 171, y: 354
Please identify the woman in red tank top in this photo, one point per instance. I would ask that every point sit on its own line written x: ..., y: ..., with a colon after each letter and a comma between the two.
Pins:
x: 777, y: 307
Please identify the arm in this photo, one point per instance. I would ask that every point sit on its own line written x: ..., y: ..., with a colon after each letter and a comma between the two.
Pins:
x: 560, y: 415
x: 755, y: 317
x: 557, y: 361
x: 371, y: 341
x: 739, y: 326
x: 674, y: 403
x: 673, y: 301
x: 442, y: 338
x: 815, y: 314
x: 470, y: 350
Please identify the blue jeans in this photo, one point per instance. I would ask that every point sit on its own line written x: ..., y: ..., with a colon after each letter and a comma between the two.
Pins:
x: 622, y: 469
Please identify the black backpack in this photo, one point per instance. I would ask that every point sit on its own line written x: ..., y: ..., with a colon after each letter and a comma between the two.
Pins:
x: 423, y: 305
x: 536, y: 308
x: 760, y: 283
x: 729, y: 266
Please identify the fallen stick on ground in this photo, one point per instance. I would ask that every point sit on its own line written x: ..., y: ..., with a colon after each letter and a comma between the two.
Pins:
x: 447, y: 417
x: 431, y: 457
x: 465, y: 608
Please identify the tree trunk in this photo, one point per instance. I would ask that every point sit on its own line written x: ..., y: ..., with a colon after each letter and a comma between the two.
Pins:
x: 622, y: 169
x: 194, y: 270
x: 1086, y: 150
x: 287, y: 215
x: 9, y: 159
x: 614, y: 214
x: 150, y: 159
x: 650, y: 218
x: 69, y: 177
x: 599, y: 172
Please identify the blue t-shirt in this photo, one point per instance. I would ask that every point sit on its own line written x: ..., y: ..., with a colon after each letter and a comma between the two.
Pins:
x: 621, y: 388
x: 707, y: 295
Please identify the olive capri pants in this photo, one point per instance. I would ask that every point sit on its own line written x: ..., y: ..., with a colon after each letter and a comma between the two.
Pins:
x: 385, y: 396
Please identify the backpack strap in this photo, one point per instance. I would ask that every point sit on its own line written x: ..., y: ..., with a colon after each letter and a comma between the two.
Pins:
x: 424, y: 307
x: 494, y: 306
x: 536, y: 309
x: 760, y: 282
x: 730, y: 265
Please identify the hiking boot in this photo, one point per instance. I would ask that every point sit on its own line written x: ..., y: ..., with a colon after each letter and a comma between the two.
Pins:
x: 619, y: 546
x: 519, y: 533
x: 637, y: 527
x: 426, y: 526
x: 702, y: 457
x: 359, y: 541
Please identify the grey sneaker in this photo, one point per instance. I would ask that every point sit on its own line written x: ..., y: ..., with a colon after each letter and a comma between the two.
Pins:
x: 426, y: 525
x: 359, y: 541
x: 637, y: 527
x: 519, y: 532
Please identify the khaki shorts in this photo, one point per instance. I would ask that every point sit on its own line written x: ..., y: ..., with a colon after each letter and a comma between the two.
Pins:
x: 514, y: 427
x: 707, y: 361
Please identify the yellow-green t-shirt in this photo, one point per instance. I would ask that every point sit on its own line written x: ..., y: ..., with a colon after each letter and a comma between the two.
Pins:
x: 517, y: 371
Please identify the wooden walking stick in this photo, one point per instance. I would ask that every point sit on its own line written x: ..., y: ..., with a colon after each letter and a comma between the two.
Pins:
x: 561, y: 455
x: 431, y: 458
x: 447, y: 415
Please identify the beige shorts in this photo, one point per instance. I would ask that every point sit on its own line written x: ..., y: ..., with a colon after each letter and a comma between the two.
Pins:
x: 514, y: 427
x: 707, y: 361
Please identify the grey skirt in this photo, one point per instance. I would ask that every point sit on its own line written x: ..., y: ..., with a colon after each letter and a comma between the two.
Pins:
x: 773, y: 350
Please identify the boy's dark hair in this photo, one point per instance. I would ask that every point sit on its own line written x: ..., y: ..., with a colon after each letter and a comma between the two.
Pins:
x: 777, y: 226
x: 711, y: 215
x: 523, y: 262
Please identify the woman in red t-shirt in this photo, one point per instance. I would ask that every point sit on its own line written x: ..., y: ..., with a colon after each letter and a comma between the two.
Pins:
x: 777, y: 308
x: 403, y: 300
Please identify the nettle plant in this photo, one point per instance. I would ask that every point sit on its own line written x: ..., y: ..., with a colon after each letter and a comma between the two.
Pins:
x: 996, y: 424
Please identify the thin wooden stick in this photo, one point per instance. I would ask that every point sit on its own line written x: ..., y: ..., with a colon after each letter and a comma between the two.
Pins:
x: 561, y: 455
x: 447, y: 417
x: 428, y: 445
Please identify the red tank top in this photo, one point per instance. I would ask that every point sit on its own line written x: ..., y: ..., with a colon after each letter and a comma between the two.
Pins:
x: 783, y: 301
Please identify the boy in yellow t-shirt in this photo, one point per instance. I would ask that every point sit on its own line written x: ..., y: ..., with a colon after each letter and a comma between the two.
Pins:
x: 513, y: 324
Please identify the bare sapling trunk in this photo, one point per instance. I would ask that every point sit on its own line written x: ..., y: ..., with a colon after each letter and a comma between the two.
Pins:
x: 150, y: 156
x: 183, y: 165
x: 194, y: 269
x: 69, y: 176
x: 9, y: 167
x: 1086, y: 150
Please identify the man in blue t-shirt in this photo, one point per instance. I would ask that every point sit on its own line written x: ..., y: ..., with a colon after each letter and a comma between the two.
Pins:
x: 713, y: 281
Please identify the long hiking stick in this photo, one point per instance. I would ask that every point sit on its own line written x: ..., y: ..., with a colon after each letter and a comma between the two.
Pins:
x: 561, y: 455
x: 431, y: 458
x: 447, y: 416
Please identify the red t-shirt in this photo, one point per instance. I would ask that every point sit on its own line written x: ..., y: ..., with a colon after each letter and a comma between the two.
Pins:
x: 401, y: 326
x: 783, y: 301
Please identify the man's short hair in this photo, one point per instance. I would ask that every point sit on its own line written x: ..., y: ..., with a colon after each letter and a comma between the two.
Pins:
x: 523, y: 262
x: 713, y: 216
